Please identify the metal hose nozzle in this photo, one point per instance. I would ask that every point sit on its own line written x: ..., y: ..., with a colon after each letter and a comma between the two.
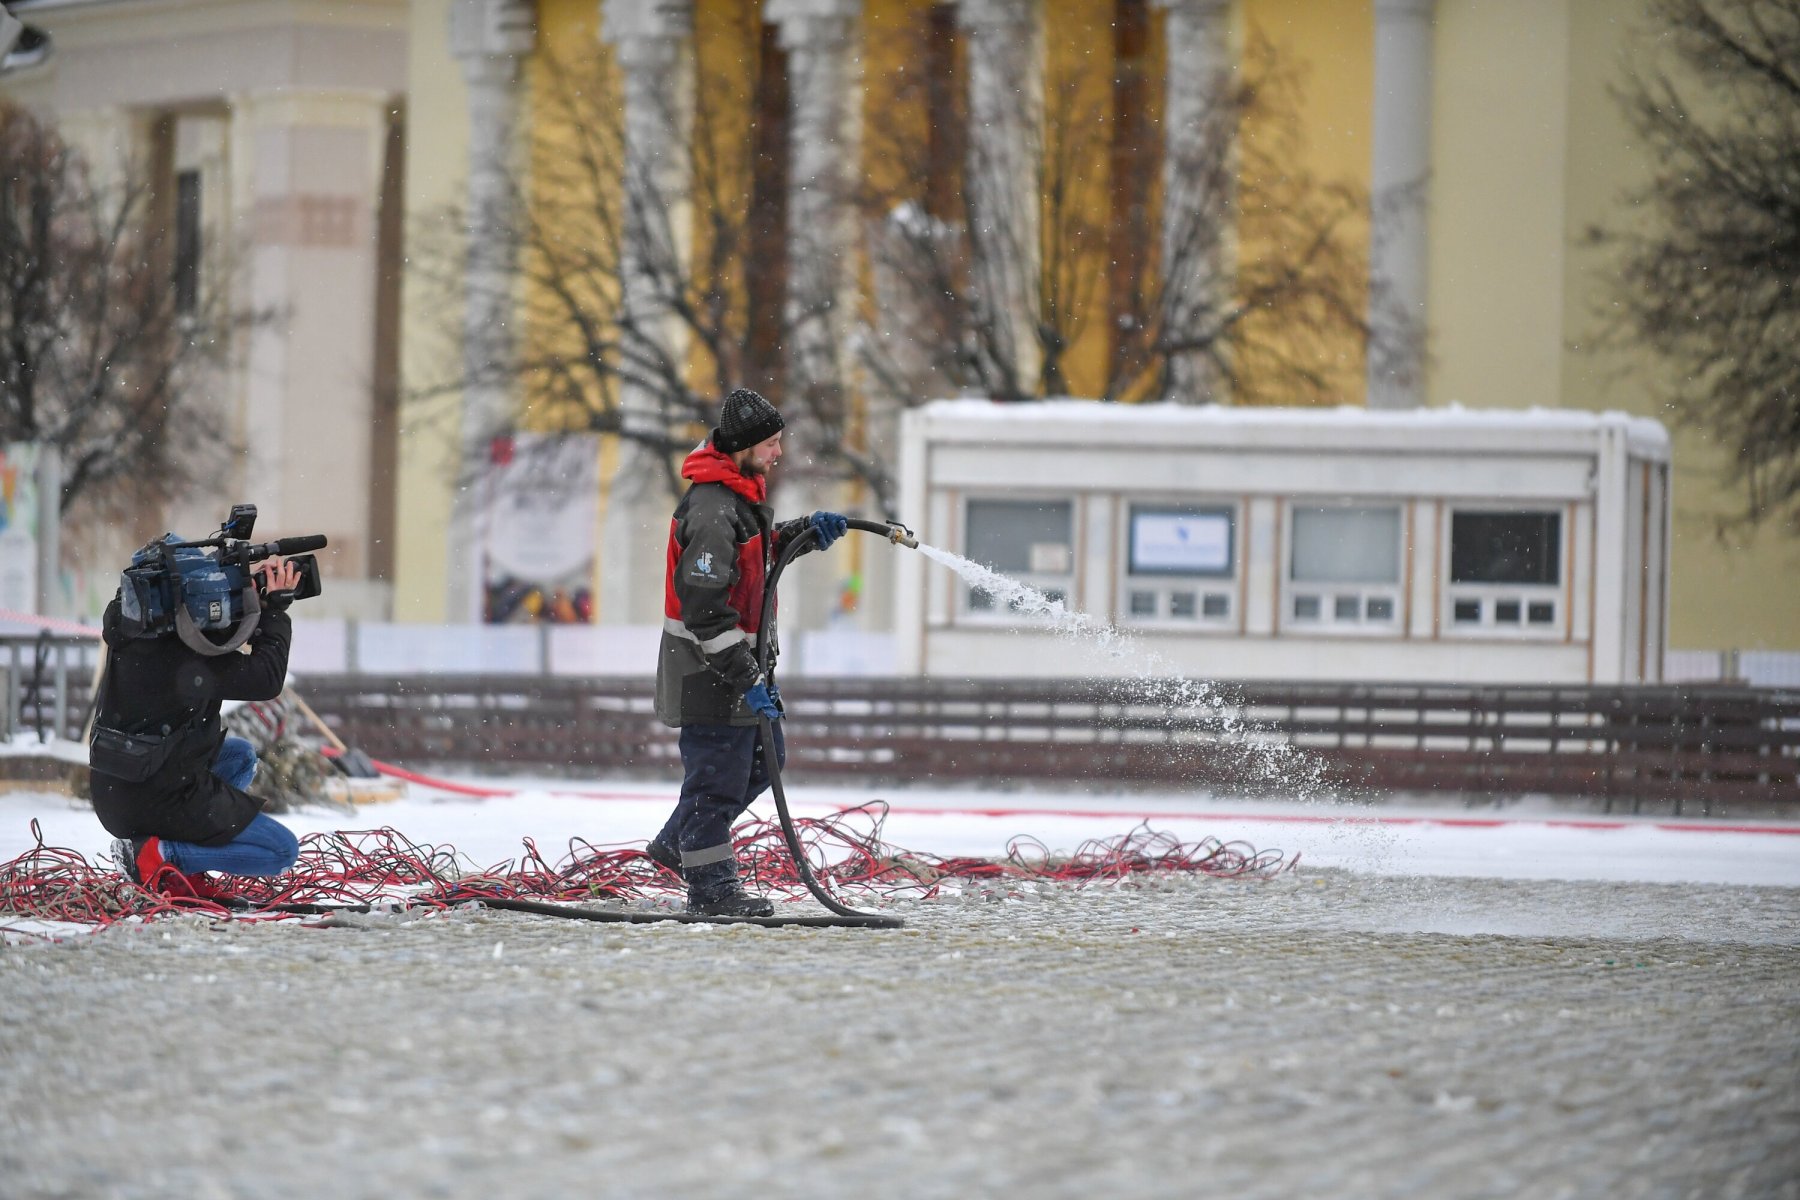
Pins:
x: 893, y: 531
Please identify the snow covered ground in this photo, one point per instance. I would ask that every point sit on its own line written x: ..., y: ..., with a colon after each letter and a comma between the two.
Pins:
x: 1521, y: 842
x: 1437, y: 1003
x: 1518, y: 842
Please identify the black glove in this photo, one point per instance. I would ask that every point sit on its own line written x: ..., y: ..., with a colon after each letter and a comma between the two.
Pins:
x: 736, y: 665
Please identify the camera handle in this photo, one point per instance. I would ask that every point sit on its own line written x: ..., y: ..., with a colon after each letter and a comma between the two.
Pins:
x: 190, y: 634
x: 280, y: 547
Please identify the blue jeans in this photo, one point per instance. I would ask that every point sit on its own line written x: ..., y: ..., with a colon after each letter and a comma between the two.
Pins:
x: 722, y: 773
x: 265, y: 847
x: 236, y: 763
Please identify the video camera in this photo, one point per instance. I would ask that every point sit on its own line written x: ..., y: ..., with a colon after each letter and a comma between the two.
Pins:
x: 209, y: 585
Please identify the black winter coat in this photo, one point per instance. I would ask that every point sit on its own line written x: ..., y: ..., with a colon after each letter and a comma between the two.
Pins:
x: 154, y: 685
x: 722, y: 546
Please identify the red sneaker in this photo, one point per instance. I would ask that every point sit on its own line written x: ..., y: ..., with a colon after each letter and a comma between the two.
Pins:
x: 217, y: 893
x: 141, y: 861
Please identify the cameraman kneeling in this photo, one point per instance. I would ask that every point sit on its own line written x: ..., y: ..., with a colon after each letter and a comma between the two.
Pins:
x: 191, y: 814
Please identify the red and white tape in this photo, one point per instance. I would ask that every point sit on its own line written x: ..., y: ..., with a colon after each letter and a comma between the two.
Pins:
x: 53, y: 624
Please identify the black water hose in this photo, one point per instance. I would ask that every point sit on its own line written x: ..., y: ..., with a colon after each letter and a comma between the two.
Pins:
x: 898, y: 534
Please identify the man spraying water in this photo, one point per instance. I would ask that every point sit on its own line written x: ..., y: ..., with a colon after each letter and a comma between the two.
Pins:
x: 723, y: 545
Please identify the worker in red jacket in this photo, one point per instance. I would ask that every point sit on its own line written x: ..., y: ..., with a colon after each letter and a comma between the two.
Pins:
x: 723, y: 544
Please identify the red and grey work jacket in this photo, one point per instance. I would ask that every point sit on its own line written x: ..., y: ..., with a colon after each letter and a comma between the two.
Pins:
x: 722, y: 546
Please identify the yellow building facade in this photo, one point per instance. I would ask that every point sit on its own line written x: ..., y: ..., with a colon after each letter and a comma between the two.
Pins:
x: 1504, y: 104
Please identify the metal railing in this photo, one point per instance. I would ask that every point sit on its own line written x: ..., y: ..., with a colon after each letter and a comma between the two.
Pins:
x: 48, y: 681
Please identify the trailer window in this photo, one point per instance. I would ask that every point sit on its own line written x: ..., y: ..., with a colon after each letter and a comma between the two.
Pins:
x: 1180, y: 565
x: 1506, y: 547
x: 1505, y: 573
x: 1344, y: 568
x: 1031, y: 541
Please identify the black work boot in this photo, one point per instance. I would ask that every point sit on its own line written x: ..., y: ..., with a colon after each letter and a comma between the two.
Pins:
x: 665, y: 856
x: 714, y: 891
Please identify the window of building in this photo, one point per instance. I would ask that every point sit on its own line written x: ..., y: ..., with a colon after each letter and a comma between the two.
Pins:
x: 1506, y: 572
x: 187, y: 241
x: 1506, y: 547
x: 1344, y: 567
x: 1181, y: 564
x: 1031, y: 541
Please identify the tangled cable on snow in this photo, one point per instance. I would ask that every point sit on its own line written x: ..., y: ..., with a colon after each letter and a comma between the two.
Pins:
x: 382, y: 866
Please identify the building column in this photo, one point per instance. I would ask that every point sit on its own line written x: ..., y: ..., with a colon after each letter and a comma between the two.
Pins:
x: 1608, y: 601
x: 1399, y: 172
x: 652, y: 44
x: 1006, y: 117
x: 491, y: 38
x: 821, y: 38
x: 823, y: 41
x: 308, y: 408
x: 217, y: 145
x: 1197, y: 262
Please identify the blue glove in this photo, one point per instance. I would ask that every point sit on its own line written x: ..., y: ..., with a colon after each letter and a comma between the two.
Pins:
x: 829, y: 526
x: 760, y: 701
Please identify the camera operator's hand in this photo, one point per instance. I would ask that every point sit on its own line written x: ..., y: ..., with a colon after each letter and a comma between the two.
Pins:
x: 276, y: 580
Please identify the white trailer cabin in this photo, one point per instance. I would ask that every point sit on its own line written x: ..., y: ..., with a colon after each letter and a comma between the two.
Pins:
x: 1428, y: 545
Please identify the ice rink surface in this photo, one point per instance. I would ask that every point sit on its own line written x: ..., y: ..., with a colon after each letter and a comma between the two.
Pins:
x: 1438, y: 1002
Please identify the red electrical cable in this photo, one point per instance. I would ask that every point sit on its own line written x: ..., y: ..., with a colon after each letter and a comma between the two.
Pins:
x: 382, y: 866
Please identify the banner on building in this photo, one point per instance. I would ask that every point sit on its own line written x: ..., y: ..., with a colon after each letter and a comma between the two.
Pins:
x: 18, y: 527
x: 541, y: 529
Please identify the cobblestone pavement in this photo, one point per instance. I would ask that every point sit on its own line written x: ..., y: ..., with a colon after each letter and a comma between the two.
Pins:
x: 1323, y: 1035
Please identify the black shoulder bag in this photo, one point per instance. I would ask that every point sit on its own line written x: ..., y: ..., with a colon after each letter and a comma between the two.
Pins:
x: 132, y: 757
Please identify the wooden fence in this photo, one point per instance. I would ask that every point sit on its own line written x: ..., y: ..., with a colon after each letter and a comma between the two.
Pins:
x: 1698, y: 748
x: 1695, y: 749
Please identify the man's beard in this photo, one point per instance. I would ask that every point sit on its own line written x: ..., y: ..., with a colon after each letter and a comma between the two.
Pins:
x: 752, y: 468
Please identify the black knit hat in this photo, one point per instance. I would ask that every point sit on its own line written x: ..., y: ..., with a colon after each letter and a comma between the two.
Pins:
x: 744, y: 420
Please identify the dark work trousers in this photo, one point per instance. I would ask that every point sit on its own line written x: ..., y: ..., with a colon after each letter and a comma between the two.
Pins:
x: 722, y: 773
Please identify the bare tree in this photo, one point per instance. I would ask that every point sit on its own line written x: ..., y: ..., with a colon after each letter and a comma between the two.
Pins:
x: 1709, y: 280
x: 104, y: 354
x: 703, y: 260
x: 670, y: 280
x: 1258, y: 268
